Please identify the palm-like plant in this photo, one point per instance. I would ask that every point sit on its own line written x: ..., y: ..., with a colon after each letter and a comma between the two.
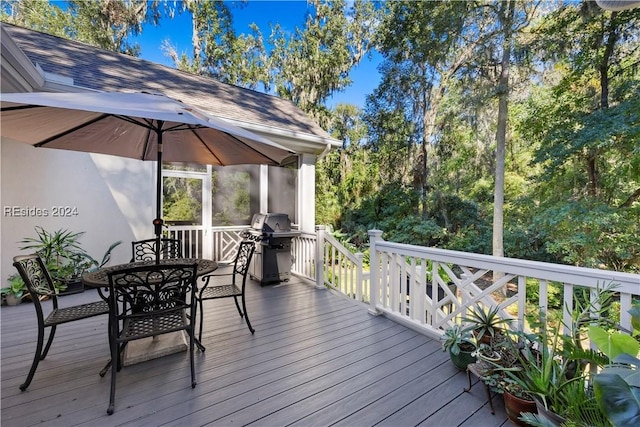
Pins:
x: 486, y: 321
x: 63, y: 254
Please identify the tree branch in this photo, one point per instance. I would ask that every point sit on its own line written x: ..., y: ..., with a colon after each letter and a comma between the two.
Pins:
x: 635, y: 196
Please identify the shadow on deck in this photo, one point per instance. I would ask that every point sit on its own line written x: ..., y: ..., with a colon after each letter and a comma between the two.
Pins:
x: 316, y: 359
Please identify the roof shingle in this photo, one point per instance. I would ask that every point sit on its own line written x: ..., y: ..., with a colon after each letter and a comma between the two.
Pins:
x: 103, y: 70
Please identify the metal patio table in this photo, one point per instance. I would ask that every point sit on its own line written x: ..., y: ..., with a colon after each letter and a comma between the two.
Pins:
x: 153, y: 347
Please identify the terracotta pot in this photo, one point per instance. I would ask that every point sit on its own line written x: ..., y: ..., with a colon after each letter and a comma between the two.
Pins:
x: 485, y: 339
x: 514, y: 406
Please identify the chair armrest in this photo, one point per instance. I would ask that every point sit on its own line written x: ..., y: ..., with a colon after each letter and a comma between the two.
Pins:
x: 205, y: 278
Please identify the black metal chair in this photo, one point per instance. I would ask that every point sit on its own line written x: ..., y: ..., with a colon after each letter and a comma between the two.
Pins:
x: 145, y: 250
x: 168, y: 292
x: 214, y: 290
x: 40, y: 284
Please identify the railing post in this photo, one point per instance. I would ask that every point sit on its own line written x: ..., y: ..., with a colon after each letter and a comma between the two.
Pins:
x: 319, y: 258
x: 359, y: 276
x: 374, y: 237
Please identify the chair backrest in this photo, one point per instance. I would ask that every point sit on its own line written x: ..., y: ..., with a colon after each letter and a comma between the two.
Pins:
x: 37, y: 279
x: 243, y: 257
x: 149, y: 289
x: 145, y: 250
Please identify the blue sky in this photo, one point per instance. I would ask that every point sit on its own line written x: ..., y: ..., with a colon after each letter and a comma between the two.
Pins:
x: 263, y: 12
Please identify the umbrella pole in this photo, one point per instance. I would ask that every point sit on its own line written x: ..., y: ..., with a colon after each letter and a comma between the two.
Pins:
x: 157, y: 223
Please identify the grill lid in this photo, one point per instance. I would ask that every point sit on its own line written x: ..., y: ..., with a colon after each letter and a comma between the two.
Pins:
x: 271, y: 222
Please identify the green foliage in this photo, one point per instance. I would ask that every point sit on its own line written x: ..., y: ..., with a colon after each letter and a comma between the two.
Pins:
x: 217, y: 51
x: 182, y: 199
x: 313, y: 62
x: 617, y: 386
x: 108, y: 25
x: 591, y: 234
x: 613, y: 344
x: 555, y: 296
x: 16, y: 287
x: 63, y: 254
x: 618, y: 400
x: 486, y: 321
x: 458, y: 338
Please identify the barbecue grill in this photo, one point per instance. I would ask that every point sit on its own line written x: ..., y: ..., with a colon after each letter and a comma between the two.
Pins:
x: 271, y: 262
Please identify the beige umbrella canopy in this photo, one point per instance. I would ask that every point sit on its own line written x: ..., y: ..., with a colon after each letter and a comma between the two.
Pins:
x: 137, y: 125
x: 618, y: 4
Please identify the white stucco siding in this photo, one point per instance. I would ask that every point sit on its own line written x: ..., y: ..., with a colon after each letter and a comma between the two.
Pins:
x: 109, y: 198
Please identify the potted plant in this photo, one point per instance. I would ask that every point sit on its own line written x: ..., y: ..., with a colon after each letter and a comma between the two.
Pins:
x: 64, y: 257
x: 486, y: 323
x: 460, y: 343
x: 499, y: 358
x: 554, y: 367
x: 617, y: 386
x: 487, y: 353
x: 15, y: 291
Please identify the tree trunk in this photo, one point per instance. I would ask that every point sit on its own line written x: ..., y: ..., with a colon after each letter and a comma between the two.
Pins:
x: 506, y: 19
x: 506, y: 14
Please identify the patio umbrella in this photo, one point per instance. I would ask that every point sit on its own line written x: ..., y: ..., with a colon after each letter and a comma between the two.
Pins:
x: 137, y: 125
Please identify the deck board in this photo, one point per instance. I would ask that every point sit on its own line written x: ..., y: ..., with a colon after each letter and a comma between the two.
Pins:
x: 316, y: 359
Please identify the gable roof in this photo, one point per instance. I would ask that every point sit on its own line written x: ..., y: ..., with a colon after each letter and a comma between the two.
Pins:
x: 86, y: 67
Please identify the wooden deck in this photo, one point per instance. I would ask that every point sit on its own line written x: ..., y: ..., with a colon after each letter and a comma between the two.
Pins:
x: 316, y: 359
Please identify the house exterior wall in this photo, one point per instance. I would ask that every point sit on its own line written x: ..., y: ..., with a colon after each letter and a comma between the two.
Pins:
x: 109, y: 198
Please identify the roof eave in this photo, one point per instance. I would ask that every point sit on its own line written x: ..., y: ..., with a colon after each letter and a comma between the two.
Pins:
x: 299, y: 142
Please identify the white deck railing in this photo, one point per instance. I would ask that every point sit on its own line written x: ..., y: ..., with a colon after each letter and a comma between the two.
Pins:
x: 406, y: 276
x: 218, y: 243
x: 424, y: 288
x: 340, y: 269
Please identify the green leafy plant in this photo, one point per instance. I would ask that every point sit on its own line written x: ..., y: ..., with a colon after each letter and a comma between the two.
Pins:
x: 460, y: 343
x: 486, y: 322
x: 617, y: 386
x: 552, y: 366
x: 458, y: 338
x: 63, y: 254
x: 16, y: 287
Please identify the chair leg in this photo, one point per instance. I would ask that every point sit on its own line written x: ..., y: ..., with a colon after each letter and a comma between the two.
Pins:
x: 246, y: 315
x: 115, y: 361
x: 192, y: 321
x: 120, y: 348
x: 201, y: 320
x: 52, y: 333
x: 191, y: 350
x: 104, y: 370
x: 36, y: 359
x: 235, y: 298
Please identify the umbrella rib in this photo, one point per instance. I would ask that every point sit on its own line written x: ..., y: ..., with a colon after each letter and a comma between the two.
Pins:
x: 20, y: 107
x: 70, y: 131
x: 236, y: 139
x: 149, y: 124
x: 207, y: 147
x: 251, y: 148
